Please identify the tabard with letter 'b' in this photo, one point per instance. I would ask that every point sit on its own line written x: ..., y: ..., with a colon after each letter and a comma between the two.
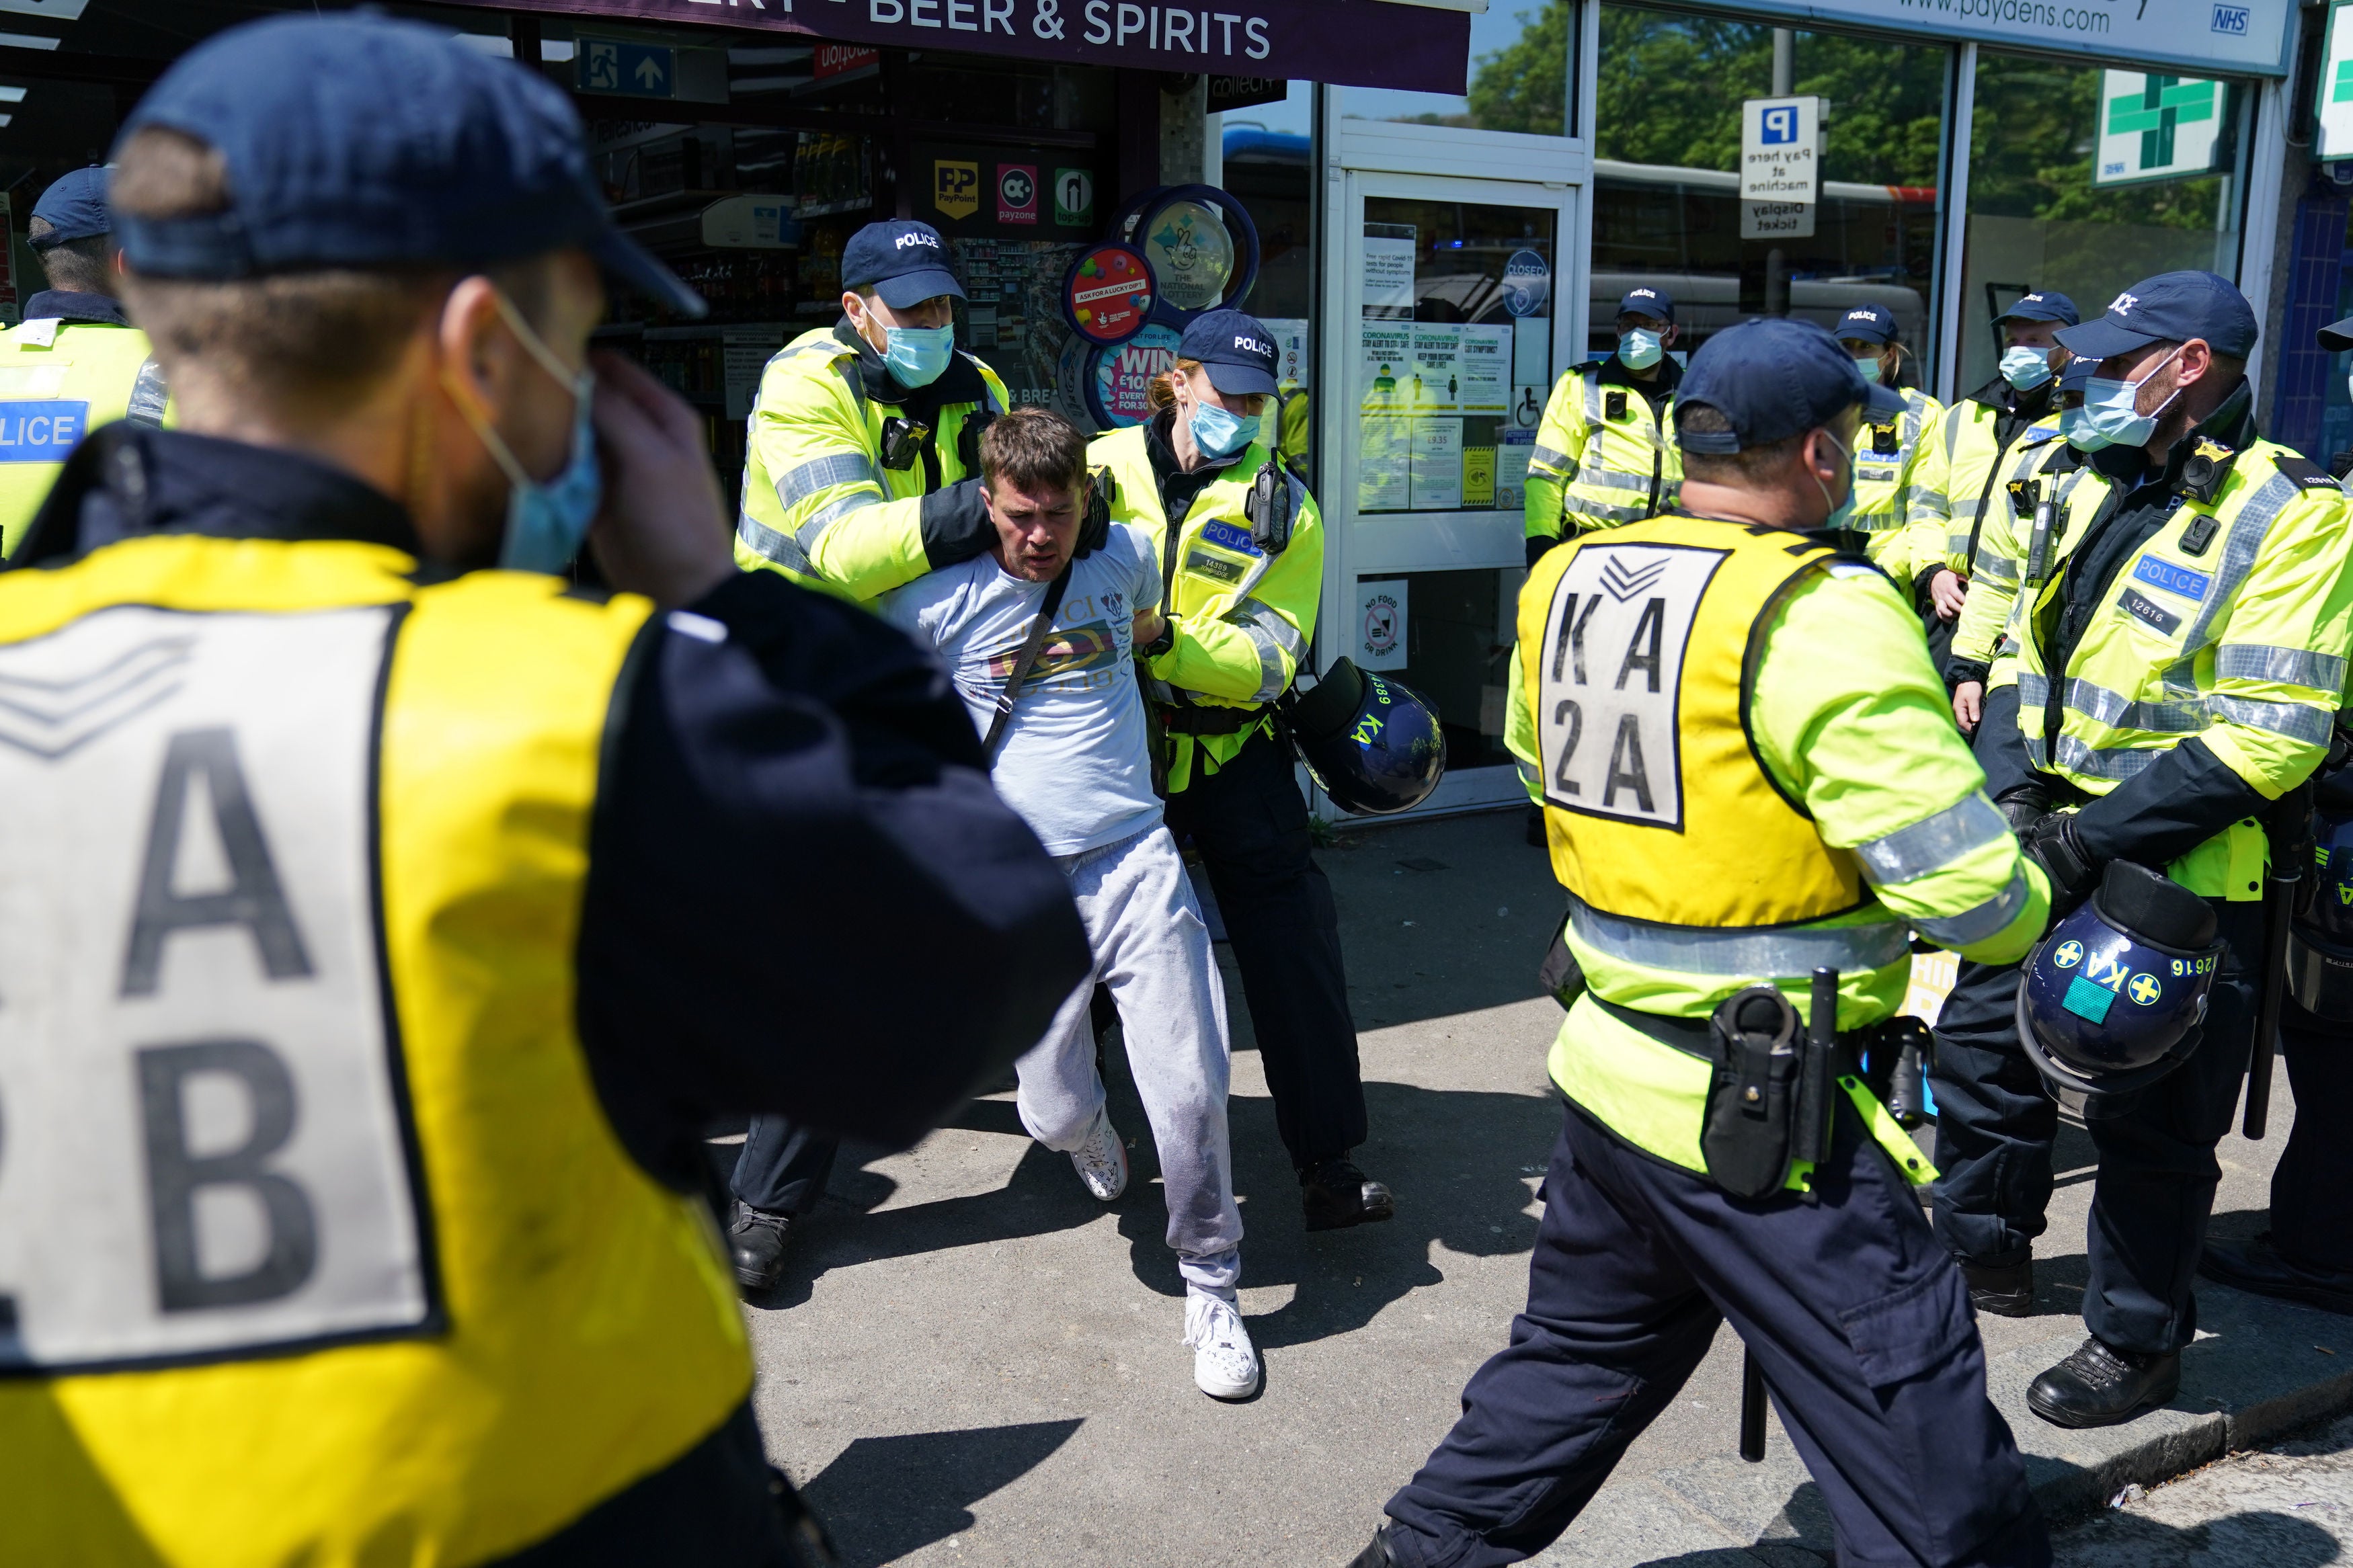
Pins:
x: 202, y: 1145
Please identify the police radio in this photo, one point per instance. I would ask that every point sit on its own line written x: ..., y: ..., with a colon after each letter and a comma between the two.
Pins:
x: 1269, y: 508
x: 1094, y: 531
x: 902, y: 441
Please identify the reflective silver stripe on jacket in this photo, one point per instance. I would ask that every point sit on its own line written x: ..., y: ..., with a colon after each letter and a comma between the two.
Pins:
x: 1559, y: 464
x: 2187, y: 717
x: 1603, y: 512
x: 1612, y: 480
x: 2075, y: 757
x: 768, y: 543
x: 2245, y: 537
x: 2288, y: 666
x: 1988, y: 918
x: 2000, y: 568
x: 798, y: 483
x: 2294, y: 720
x: 1760, y: 954
x: 149, y: 396
x: 1272, y: 637
x: 1529, y: 776
x: 809, y: 532
x: 1932, y: 842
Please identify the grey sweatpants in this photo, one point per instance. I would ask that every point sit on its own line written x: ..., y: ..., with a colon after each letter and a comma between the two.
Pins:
x: 1153, y: 951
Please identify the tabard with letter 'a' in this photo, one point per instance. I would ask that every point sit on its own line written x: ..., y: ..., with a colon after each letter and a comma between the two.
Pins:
x: 203, y: 1146
x: 1615, y: 641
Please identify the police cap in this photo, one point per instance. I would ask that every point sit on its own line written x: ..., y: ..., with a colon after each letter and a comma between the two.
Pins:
x: 2171, y: 308
x: 904, y: 261
x: 1771, y: 379
x: 2043, y: 305
x: 1647, y: 301
x: 2337, y: 336
x: 1236, y: 350
x: 74, y: 206
x: 358, y: 140
x: 1868, y: 324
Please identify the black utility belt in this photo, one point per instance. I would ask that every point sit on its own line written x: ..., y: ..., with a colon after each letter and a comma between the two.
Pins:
x: 1209, y: 721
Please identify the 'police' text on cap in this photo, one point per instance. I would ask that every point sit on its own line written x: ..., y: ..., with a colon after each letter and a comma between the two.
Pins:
x: 2171, y: 308
x: 902, y: 261
x: 1236, y: 348
x: 1647, y: 301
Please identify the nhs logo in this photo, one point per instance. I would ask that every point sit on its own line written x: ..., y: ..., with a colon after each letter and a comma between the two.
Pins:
x: 2231, y: 19
x: 1781, y: 124
x: 40, y: 432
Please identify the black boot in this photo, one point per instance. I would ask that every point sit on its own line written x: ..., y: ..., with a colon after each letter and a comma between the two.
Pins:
x: 2261, y: 1269
x: 2005, y: 1289
x: 2099, y: 1386
x: 1336, y: 1195
x: 1376, y: 1555
x: 756, y: 1239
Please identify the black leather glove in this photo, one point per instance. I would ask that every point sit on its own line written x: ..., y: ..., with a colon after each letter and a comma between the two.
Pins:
x: 2056, y: 846
x: 2022, y: 807
x: 956, y: 523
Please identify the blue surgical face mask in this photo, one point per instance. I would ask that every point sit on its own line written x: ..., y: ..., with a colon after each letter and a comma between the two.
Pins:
x: 1640, y: 349
x: 1221, y: 433
x: 1869, y: 365
x: 917, y: 356
x: 2026, y: 368
x: 2111, y: 407
x: 1841, y: 512
x: 2077, y: 428
x: 546, y: 519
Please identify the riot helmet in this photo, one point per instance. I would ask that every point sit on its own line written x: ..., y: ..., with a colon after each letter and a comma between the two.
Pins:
x: 2320, y: 943
x: 2111, y: 999
x: 1373, y: 745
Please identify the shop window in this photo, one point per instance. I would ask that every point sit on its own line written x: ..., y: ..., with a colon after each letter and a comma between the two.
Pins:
x: 2085, y: 179
x: 1264, y: 151
x: 1667, y: 208
x: 1519, y: 77
x: 1449, y: 635
x: 1455, y: 354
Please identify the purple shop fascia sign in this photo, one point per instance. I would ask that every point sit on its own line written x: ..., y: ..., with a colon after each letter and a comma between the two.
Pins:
x: 1356, y: 43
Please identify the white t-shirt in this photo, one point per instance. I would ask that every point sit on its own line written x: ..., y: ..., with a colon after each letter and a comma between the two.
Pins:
x: 1074, y: 761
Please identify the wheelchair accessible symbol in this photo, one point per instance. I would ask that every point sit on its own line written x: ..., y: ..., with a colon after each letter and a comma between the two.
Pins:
x: 2069, y: 954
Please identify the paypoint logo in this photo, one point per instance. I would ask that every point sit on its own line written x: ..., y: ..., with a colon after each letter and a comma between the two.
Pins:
x: 955, y: 187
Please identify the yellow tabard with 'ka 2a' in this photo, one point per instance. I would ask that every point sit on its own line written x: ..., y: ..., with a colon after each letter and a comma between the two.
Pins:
x: 316, y: 1245
x: 1656, y: 804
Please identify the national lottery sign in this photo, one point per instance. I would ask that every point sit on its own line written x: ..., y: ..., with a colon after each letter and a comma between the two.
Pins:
x: 1355, y: 43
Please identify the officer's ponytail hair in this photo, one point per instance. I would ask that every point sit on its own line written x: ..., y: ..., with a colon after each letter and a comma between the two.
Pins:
x: 1160, y: 391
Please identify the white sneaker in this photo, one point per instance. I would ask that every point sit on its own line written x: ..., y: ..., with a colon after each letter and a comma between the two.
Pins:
x: 1225, y: 1363
x: 1102, y: 1160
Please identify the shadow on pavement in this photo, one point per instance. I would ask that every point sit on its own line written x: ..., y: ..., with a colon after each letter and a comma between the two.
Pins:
x: 2261, y: 1540
x: 883, y: 1497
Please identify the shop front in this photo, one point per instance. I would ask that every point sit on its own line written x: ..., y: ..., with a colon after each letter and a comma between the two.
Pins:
x: 1963, y: 152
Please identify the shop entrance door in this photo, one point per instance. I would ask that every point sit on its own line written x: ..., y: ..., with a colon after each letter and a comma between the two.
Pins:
x: 1447, y: 320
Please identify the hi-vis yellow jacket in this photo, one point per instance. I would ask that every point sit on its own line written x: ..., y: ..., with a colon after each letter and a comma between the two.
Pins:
x: 1748, y: 771
x: 320, y: 1246
x: 1601, y: 457
x: 819, y: 503
x: 59, y: 380
x: 1244, y: 616
x: 1951, y: 469
x: 1882, y: 460
x: 2231, y: 622
x: 2047, y: 477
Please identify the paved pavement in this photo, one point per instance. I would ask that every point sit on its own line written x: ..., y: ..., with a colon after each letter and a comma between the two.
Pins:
x: 972, y: 1362
x: 2287, y: 1506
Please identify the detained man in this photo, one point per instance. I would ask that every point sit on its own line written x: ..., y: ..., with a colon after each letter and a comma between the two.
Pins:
x: 1065, y: 720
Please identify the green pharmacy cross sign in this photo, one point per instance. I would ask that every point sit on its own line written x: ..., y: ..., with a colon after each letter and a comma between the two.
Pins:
x: 2156, y: 127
